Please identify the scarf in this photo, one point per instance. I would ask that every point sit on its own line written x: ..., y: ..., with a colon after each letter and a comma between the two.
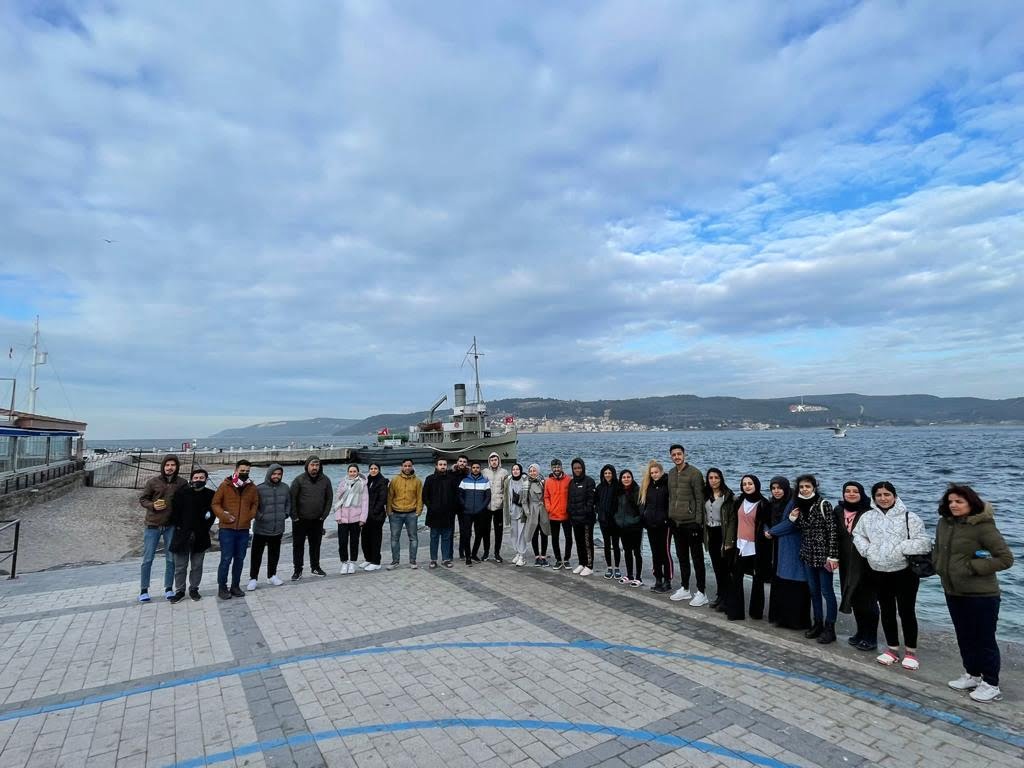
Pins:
x: 353, y: 494
x: 237, y: 482
x: 805, y: 504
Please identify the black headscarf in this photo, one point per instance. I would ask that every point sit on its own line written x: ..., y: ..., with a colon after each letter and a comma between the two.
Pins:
x: 861, y: 506
x: 779, y: 506
x: 756, y: 495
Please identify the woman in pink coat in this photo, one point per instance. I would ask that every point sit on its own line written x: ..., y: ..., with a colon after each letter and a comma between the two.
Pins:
x: 351, y: 505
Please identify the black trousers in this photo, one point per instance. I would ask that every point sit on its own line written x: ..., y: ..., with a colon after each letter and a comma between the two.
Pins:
x: 481, y: 531
x: 631, y: 549
x: 494, y: 519
x: 864, y: 604
x: 661, y: 561
x: 738, y: 568
x: 584, y: 535
x: 370, y: 538
x: 612, y: 539
x: 273, y: 546
x: 540, y: 543
x: 897, y: 594
x: 303, y: 531
x: 348, y: 542
x: 556, y: 527
x: 465, y: 535
x: 975, y: 619
x: 717, y: 562
x: 689, y: 540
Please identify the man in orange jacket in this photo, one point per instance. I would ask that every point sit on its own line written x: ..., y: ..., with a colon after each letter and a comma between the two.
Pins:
x: 556, y: 501
x: 235, y: 504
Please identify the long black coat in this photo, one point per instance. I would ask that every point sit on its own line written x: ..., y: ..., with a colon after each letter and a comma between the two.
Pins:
x: 854, y: 572
x: 190, y: 521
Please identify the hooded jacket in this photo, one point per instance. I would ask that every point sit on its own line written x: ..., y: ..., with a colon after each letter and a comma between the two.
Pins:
x: 496, y: 478
x: 441, y: 498
x: 161, y: 487
x: 275, y: 505
x: 579, y: 502
x: 240, y: 504
x: 405, y: 493
x: 192, y: 519
x: 957, y: 539
x: 311, y: 496
x: 883, y: 537
x: 474, y: 494
x: 556, y: 497
x: 686, y: 495
x: 357, y: 512
x: 606, y: 497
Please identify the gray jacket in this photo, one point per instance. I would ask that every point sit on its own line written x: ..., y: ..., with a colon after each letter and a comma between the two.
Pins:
x: 275, y: 505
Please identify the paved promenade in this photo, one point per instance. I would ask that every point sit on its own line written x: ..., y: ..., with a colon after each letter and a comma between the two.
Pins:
x: 490, y: 666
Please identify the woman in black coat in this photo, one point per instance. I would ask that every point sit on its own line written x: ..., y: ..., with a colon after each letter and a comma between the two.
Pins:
x: 372, y: 532
x: 855, y: 583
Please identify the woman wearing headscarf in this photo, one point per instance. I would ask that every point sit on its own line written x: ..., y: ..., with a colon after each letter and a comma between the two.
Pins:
x: 373, y: 529
x: 747, y: 551
x: 514, y: 513
x: 606, y: 502
x: 789, y: 606
x: 538, y: 528
x: 819, y: 551
x: 885, y: 535
x: 855, y: 586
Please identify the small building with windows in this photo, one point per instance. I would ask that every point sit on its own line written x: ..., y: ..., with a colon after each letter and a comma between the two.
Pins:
x: 35, y: 450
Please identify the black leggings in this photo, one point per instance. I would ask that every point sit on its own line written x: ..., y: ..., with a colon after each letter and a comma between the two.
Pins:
x: 561, y: 525
x: 481, y: 531
x: 897, y: 593
x: 661, y: 561
x: 370, y: 540
x: 540, y: 543
x: 584, y: 535
x: 611, y: 537
x: 717, y: 563
x: 348, y: 541
x: 273, y: 547
x: 631, y: 548
x: 690, y: 546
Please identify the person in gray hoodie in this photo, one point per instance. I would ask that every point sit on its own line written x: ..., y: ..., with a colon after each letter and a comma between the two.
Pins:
x: 312, y: 497
x: 268, y: 527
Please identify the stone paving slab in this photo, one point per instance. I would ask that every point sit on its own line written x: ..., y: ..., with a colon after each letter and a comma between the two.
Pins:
x: 491, y: 666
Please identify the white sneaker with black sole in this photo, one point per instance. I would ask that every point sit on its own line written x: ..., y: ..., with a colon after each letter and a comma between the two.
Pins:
x: 985, y: 692
x: 680, y: 594
x: 966, y: 682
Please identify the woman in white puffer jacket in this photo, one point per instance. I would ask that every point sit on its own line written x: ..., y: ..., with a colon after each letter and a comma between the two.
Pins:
x: 885, y: 535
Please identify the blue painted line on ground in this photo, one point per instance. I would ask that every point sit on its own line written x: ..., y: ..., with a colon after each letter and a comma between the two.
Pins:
x: 589, y: 645
x: 630, y: 734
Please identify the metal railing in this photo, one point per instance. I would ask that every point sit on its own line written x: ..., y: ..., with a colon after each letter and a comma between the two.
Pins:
x: 131, y: 470
x: 17, y: 481
x: 11, y: 553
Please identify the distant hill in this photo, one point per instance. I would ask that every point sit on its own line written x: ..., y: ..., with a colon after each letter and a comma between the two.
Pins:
x: 279, y: 429
x: 693, y: 412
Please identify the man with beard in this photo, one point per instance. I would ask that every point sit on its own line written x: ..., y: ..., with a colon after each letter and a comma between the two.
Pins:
x: 157, y: 499
x: 441, y: 498
x: 312, y: 496
x: 192, y: 518
x: 235, y: 504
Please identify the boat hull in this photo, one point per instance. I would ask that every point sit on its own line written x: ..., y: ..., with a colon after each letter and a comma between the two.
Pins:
x: 506, y: 446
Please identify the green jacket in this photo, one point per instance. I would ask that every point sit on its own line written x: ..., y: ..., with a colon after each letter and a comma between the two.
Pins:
x: 686, y: 495
x: 956, y: 541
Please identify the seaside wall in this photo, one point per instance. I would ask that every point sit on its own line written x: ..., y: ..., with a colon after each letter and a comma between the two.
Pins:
x: 10, y: 502
x: 259, y: 456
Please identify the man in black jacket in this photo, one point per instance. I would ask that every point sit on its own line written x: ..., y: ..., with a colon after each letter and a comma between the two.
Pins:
x: 582, y: 515
x: 192, y: 518
x: 312, y: 497
x: 441, y: 498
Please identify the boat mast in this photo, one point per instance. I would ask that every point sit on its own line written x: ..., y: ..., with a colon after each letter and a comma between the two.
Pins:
x: 472, y: 352
x: 38, y: 358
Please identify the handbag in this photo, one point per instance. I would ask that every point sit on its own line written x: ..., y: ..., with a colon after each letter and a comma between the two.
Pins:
x: 920, y: 565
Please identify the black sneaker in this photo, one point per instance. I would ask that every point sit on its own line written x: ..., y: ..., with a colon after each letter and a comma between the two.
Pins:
x: 469, y: 561
x: 433, y: 564
x: 317, y: 571
x: 297, y: 575
x: 194, y: 593
x: 497, y: 559
x: 236, y: 592
x: 178, y: 597
x: 223, y: 594
x: 448, y: 564
x: 608, y: 573
x: 617, y: 575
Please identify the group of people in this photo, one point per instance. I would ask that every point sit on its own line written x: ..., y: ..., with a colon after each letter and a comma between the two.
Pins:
x: 793, y: 540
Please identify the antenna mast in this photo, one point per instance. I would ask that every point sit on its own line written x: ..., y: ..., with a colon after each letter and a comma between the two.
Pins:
x: 476, y: 355
x: 38, y: 358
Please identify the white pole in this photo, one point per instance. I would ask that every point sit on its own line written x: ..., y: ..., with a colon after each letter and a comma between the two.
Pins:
x: 32, y: 388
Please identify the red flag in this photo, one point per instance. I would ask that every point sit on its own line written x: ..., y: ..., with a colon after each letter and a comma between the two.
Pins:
x: 384, y: 432
x: 510, y: 420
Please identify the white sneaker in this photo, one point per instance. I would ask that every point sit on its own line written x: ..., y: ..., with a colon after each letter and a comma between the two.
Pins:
x: 680, y: 594
x: 966, y: 682
x: 586, y: 572
x: 577, y: 569
x: 362, y: 564
x: 372, y: 567
x: 986, y: 692
x: 251, y: 586
x: 276, y: 581
x: 343, y: 570
x: 699, y: 599
x: 351, y: 567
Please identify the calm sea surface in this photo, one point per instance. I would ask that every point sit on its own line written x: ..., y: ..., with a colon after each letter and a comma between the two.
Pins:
x: 919, y: 461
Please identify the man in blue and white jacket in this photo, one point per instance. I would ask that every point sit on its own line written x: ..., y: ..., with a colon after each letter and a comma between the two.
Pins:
x: 475, y: 498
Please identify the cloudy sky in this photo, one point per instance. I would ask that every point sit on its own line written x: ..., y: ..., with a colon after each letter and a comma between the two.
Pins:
x: 312, y: 207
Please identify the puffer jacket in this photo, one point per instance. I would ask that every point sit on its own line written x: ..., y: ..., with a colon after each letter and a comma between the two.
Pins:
x: 627, y: 508
x: 606, y: 497
x: 235, y: 508
x: 474, y: 494
x: 378, y: 490
x: 730, y: 521
x: 275, y: 505
x: 819, y: 535
x: 311, y: 496
x: 882, y: 537
x: 957, y: 539
x: 579, y: 501
x: 441, y: 498
x: 357, y: 512
x: 496, y: 479
x: 556, y: 497
x: 654, y: 509
x: 686, y: 495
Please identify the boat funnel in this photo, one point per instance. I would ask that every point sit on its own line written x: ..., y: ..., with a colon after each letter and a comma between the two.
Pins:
x: 460, y: 395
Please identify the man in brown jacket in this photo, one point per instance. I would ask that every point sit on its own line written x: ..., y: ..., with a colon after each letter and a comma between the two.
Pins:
x: 156, y: 500
x: 235, y: 504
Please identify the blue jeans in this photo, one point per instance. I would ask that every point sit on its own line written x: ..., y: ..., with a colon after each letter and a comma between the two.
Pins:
x: 445, y: 536
x: 819, y: 581
x: 232, y: 555
x: 400, y: 520
x: 150, y: 543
